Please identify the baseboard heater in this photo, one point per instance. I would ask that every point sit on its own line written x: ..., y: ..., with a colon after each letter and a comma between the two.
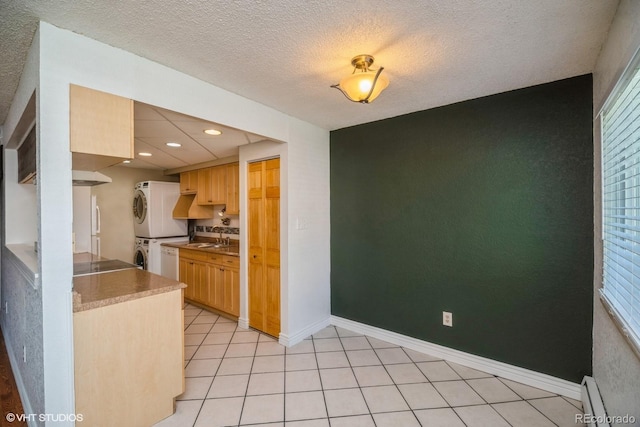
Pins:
x: 594, y: 413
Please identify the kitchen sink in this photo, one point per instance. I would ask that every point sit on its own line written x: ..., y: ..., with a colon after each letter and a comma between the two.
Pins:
x: 207, y: 245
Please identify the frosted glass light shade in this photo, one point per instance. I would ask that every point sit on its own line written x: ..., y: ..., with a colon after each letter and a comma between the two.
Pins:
x: 358, y: 85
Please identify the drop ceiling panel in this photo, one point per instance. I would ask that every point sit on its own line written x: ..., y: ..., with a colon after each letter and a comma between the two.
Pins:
x: 156, y: 129
x: 196, y: 129
x: 145, y: 112
x: 175, y: 116
x: 215, y: 146
x: 226, y: 152
x: 139, y: 164
x: 159, y: 157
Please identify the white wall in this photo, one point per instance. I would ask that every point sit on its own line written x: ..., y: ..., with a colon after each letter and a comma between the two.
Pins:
x: 117, y: 235
x: 309, y: 231
x: 616, y: 367
x: 23, y: 326
x: 69, y: 58
x: 82, y: 216
x: 21, y: 209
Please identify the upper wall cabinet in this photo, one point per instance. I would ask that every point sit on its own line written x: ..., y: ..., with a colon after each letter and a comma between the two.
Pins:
x: 233, y: 189
x: 100, y: 128
x: 212, y: 185
x: 189, y: 182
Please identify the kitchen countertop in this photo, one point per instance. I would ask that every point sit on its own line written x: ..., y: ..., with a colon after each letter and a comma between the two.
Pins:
x: 99, y: 290
x: 232, y: 250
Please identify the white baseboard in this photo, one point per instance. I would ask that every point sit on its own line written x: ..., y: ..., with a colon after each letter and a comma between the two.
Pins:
x: 592, y: 404
x: 289, y: 341
x: 504, y: 370
x: 22, y: 391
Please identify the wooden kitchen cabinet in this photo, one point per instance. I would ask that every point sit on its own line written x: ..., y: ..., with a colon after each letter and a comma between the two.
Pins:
x: 128, y: 361
x: 212, y: 188
x: 212, y: 279
x: 201, y: 282
x: 100, y: 128
x: 189, y: 182
x: 231, y: 291
x: 233, y: 188
x: 216, y: 278
x: 187, y: 276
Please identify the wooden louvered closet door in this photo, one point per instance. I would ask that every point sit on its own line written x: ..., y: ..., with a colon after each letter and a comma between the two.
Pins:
x: 264, y: 245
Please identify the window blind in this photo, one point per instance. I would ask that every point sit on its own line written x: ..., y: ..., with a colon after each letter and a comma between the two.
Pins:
x: 621, y: 206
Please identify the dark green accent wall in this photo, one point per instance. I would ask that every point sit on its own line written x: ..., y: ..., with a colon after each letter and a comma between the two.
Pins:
x: 482, y: 208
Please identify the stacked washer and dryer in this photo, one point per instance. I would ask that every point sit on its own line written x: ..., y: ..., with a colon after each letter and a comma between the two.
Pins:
x: 153, y: 204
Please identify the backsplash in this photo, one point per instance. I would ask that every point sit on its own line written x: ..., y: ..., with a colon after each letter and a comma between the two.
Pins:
x: 213, y: 227
x: 217, y: 229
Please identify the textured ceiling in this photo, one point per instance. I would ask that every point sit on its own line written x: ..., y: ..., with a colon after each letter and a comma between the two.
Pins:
x: 286, y: 53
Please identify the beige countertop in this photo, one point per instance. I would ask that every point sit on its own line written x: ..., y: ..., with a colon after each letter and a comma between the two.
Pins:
x: 232, y: 250
x: 99, y: 290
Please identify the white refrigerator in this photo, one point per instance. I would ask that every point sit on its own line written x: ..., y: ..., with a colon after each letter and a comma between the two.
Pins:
x: 86, y: 221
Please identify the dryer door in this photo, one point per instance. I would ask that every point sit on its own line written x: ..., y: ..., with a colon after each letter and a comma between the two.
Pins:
x: 140, y: 258
x: 139, y: 206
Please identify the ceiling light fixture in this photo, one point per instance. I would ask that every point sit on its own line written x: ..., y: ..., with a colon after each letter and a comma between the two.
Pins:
x: 126, y: 161
x: 145, y: 154
x: 214, y: 132
x: 364, y: 84
x: 173, y: 144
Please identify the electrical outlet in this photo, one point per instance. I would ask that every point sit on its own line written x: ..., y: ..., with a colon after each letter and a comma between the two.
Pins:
x: 447, y: 318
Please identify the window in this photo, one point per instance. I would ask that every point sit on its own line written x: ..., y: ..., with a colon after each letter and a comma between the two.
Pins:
x: 621, y: 206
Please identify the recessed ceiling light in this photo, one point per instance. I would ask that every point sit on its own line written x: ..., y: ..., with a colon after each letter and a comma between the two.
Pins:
x: 173, y: 144
x: 145, y: 154
x: 126, y: 161
x: 212, y: 132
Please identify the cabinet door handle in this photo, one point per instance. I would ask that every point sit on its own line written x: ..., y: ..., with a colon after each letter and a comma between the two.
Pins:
x: 255, y: 256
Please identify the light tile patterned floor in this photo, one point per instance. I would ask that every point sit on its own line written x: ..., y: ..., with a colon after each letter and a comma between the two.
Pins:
x: 337, y: 378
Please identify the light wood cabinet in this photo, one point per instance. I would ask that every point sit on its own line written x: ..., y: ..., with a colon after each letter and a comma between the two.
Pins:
x: 189, y: 182
x: 201, y: 282
x: 212, y: 279
x: 217, y: 285
x: 231, y: 290
x: 212, y: 186
x: 100, y: 128
x: 128, y: 361
x: 233, y: 189
x: 217, y: 185
x: 187, y: 276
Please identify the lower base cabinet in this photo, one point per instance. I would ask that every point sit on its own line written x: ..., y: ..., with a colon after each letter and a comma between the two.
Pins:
x: 212, y: 279
x: 121, y: 376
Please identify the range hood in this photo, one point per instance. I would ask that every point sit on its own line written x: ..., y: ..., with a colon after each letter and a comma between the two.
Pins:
x: 88, y: 178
